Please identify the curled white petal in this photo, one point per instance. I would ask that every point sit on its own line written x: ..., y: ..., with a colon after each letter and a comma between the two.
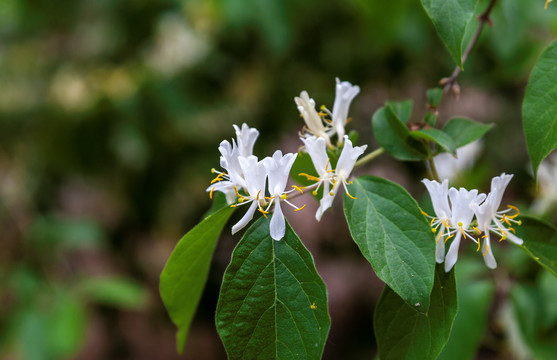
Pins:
x: 277, y: 226
x: 316, y: 148
x: 489, y: 259
x: 306, y: 106
x: 345, y: 93
x: 438, y: 192
x: 452, y: 254
x: 245, y: 219
x: 246, y: 137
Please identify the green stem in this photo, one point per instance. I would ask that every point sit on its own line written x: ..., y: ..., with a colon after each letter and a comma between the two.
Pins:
x: 433, y: 169
x: 372, y: 155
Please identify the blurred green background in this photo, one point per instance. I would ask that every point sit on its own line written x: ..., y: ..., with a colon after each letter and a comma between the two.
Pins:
x: 111, y: 113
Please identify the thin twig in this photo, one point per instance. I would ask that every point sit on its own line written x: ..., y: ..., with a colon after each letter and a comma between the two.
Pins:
x: 450, y: 82
x: 372, y: 155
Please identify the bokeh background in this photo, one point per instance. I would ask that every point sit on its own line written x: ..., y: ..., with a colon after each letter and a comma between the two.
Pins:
x: 111, y: 113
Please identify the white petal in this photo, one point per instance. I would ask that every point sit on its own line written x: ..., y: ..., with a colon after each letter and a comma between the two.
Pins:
x: 326, y: 202
x: 452, y: 254
x: 344, y: 95
x: 489, y: 259
x: 438, y: 192
x: 245, y: 219
x: 225, y: 187
x: 348, y: 158
x: 277, y: 226
x: 316, y: 148
x: 440, y: 246
x: 246, y: 139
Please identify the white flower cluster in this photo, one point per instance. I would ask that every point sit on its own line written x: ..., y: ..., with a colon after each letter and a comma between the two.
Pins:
x: 455, y: 220
x: 245, y: 177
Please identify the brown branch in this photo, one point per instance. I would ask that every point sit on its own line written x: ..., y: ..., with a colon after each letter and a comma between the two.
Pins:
x: 450, y: 82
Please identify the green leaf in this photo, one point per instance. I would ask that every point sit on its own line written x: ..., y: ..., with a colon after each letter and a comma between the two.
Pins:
x: 404, y: 333
x: 402, y: 109
x: 66, y: 326
x: 547, y: 285
x: 272, y: 304
x: 437, y: 136
x: 430, y: 119
x: 540, y: 242
x: 184, y: 276
x: 450, y: 18
x: 474, y: 301
x: 434, y: 97
x: 539, y: 108
x: 115, y: 291
x: 463, y: 131
x: 393, y: 235
x: 393, y: 135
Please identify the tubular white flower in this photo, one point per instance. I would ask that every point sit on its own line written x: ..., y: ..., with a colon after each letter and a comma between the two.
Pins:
x: 278, y: 168
x: 255, y: 177
x: 487, y: 213
x: 438, y: 193
x: 461, y: 217
x: 450, y: 167
x: 345, y: 93
x: 345, y: 164
x: 314, y: 123
x: 246, y: 139
x: 546, y: 199
x: 316, y: 148
x: 232, y: 179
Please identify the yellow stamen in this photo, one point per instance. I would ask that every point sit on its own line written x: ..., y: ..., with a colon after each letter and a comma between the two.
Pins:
x: 218, y: 178
x: 519, y: 222
x: 439, y: 237
x: 283, y: 196
x: 298, y: 209
x: 211, y: 193
x: 434, y: 230
x: 352, y: 197
x: 424, y: 213
x: 298, y: 188
x: 432, y: 221
x: 547, y: 3
x: 213, y: 170
x: 475, y: 228
x: 448, y: 237
x: 314, y: 192
x: 237, y: 193
x: 512, y: 230
x: 309, y: 177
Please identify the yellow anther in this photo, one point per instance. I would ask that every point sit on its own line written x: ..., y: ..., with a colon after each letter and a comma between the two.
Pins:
x: 331, y: 193
x: 257, y: 197
x: 241, y: 200
x: 519, y: 222
x: 512, y: 230
x: 424, y: 213
x: 322, y: 114
x: 283, y: 196
x: 434, y: 230
x: 448, y: 237
x: 460, y: 224
x: 234, y: 205
x: 486, y: 249
x: 439, y: 237
x: 213, y: 170
x: 298, y: 188
x: 314, y: 192
x: 211, y: 193
x: 298, y: 209
x: 237, y: 193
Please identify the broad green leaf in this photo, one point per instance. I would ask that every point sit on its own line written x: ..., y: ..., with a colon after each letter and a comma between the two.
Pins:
x: 115, y: 291
x: 393, y: 135
x: 434, y: 97
x: 539, y: 108
x: 437, y: 136
x: 529, y: 312
x: 450, y: 18
x: 540, y: 242
x: 402, y: 109
x: 474, y: 302
x: 219, y: 202
x: 66, y: 326
x: 184, y: 276
x: 393, y: 235
x: 272, y: 303
x: 404, y: 333
x: 463, y: 131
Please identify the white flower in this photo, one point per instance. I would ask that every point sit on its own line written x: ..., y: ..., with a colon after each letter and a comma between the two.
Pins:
x: 278, y: 168
x: 439, y: 198
x: 232, y: 179
x: 462, y: 201
x: 246, y: 139
x: 450, y: 167
x: 345, y: 93
x: 344, y: 167
x: 316, y: 148
x: 314, y: 123
x: 255, y: 178
x: 487, y: 213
